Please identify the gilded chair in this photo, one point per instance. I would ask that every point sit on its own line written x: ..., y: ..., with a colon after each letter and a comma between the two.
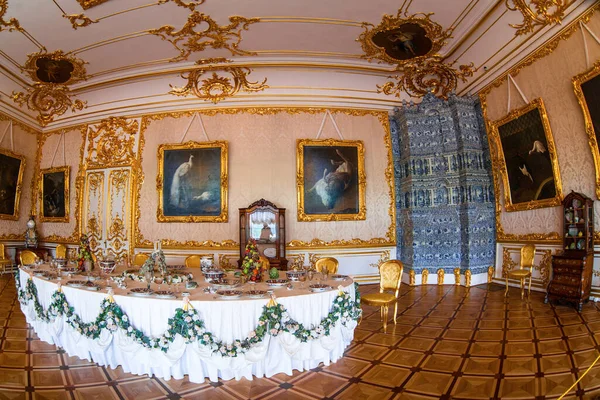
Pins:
x: 192, y: 261
x: 525, y: 270
x: 4, y: 261
x: 390, y: 278
x: 28, y: 257
x: 327, y: 264
x: 139, y: 259
x: 61, y: 251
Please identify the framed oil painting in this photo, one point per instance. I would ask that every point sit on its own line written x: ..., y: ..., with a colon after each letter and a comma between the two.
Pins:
x: 192, y: 182
x: 12, y: 166
x: 54, y: 194
x: 527, y: 158
x: 330, y: 180
x: 587, y: 91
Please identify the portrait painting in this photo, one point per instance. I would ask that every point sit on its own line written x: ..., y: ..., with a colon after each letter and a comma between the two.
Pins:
x: 405, y: 42
x: 54, y: 194
x: 587, y: 91
x: 192, y: 182
x: 12, y: 167
x: 330, y: 180
x: 526, y: 148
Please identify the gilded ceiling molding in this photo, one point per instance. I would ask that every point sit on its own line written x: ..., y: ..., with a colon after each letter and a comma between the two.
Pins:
x: 412, y: 43
x: 538, y: 13
x: 86, y: 4
x: 80, y: 20
x: 111, y: 143
x: 388, y: 240
x: 191, y: 5
x: 216, y: 88
x: 15, y: 122
x: 50, y: 95
x: 12, y: 24
x: 215, y: 36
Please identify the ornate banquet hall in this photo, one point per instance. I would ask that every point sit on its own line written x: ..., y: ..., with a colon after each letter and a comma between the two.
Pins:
x: 205, y: 199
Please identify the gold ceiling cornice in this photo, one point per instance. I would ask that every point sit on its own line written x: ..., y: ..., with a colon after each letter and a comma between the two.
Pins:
x: 86, y: 4
x: 538, y: 13
x: 216, y: 88
x: 12, y: 24
x: 215, y: 36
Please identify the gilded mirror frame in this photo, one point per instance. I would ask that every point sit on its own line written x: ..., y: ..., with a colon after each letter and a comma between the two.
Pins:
x: 19, y: 184
x: 305, y: 215
x: 66, y: 175
x: 190, y: 147
x: 578, y: 82
x: 499, y: 155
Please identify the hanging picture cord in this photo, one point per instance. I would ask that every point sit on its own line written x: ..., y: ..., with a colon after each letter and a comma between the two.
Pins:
x: 328, y: 113
x: 190, y: 124
x: 61, y: 139
x: 584, y: 28
x: 510, y: 79
x: 9, y: 126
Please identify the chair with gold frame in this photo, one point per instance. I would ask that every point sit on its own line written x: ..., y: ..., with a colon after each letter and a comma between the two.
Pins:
x: 525, y: 270
x: 61, y: 251
x: 139, y: 259
x: 328, y: 264
x: 28, y: 257
x: 192, y: 261
x: 4, y: 261
x: 390, y: 278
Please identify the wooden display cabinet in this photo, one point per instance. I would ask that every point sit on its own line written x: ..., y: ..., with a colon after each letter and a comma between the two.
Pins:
x: 264, y: 222
x: 572, y: 270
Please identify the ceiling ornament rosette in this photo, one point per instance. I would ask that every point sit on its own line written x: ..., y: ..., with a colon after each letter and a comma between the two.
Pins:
x: 412, y: 43
x: 187, y: 40
x: 50, y: 95
x: 538, y: 13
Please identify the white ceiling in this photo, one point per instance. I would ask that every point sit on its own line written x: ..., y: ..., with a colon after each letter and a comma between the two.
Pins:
x: 306, y: 49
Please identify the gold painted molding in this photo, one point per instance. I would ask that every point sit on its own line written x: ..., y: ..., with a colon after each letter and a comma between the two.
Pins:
x: 498, y: 158
x: 12, y: 24
x: 48, y: 101
x: 538, y: 13
x: 86, y: 4
x: 216, y: 88
x: 80, y: 20
x: 111, y: 143
x: 578, y: 81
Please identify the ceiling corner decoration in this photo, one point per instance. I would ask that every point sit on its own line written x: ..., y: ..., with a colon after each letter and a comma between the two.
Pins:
x: 412, y: 43
x: 79, y: 20
x: 85, y: 4
x: 217, y: 87
x: 188, y: 41
x: 12, y: 24
x: 538, y: 13
x: 50, y: 95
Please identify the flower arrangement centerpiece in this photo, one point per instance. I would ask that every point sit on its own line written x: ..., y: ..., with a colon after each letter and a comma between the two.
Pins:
x: 251, y: 265
x: 85, y: 253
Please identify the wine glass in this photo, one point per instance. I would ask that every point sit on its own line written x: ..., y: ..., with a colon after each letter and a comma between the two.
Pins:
x: 169, y: 279
x: 158, y: 280
x: 148, y: 277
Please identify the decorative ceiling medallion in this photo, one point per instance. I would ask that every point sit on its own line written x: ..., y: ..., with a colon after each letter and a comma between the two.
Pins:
x: 403, y: 38
x: 90, y: 3
x: 12, y: 24
x: 189, y: 4
x: 412, y: 43
x: 79, y: 20
x: 538, y: 13
x: 49, y: 95
x: 188, y: 41
x: 216, y: 88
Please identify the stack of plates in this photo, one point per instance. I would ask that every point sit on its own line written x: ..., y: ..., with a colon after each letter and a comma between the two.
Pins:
x: 277, y: 282
x: 226, y: 283
x: 256, y: 294
x: 164, y: 294
x: 229, y: 294
x: 141, y: 292
x: 338, y: 277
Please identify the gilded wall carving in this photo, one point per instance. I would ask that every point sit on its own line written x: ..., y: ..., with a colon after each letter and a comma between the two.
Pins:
x: 538, y: 13
x: 112, y: 143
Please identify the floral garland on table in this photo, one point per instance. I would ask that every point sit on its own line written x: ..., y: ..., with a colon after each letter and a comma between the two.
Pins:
x: 273, y: 321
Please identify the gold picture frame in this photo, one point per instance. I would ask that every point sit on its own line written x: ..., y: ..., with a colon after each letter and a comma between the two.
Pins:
x: 526, y: 156
x: 12, y: 167
x: 202, y: 199
x: 54, y: 194
x: 588, y: 78
x: 334, y: 171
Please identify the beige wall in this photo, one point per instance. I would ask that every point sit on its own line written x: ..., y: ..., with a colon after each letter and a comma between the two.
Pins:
x: 25, y: 144
x: 550, y: 78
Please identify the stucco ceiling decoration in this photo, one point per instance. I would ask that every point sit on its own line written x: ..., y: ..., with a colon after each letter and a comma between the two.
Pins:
x: 412, y: 43
x: 50, y: 95
x: 86, y: 4
x: 538, y: 13
x: 187, y: 40
x: 12, y: 24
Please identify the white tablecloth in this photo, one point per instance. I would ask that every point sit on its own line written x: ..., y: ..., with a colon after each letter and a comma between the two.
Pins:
x: 227, y: 320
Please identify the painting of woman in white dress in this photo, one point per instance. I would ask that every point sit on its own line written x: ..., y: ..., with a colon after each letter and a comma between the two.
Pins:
x: 191, y: 176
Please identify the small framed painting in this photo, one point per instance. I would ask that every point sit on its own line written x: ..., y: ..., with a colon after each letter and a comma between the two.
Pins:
x: 12, y: 166
x: 330, y: 180
x: 192, y: 182
x: 54, y: 194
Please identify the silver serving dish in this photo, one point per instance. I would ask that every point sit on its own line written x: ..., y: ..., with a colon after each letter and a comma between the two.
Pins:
x: 214, y: 275
x: 295, y: 276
